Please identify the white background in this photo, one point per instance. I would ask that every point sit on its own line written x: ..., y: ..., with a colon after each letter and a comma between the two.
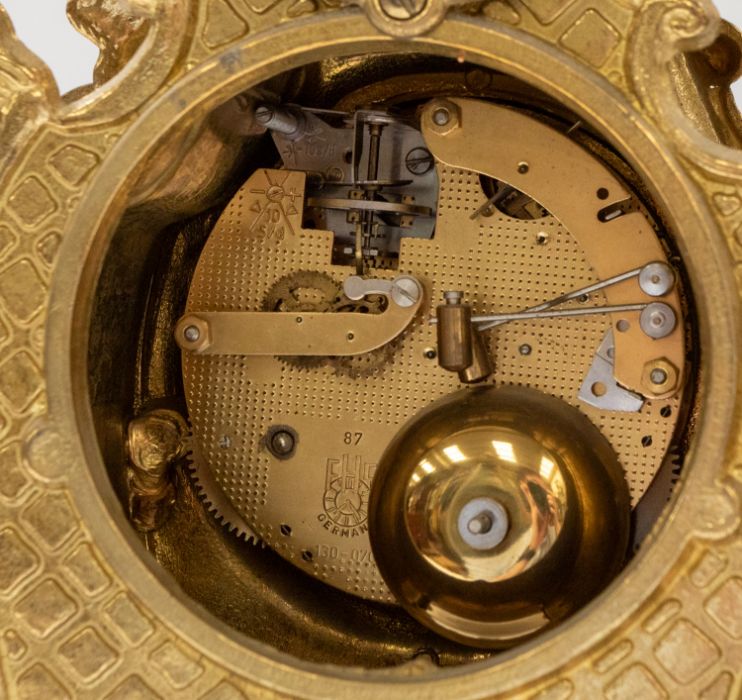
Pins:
x: 43, y: 26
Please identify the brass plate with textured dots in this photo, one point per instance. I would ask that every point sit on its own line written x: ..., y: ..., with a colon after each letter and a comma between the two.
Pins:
x: 344, y: 422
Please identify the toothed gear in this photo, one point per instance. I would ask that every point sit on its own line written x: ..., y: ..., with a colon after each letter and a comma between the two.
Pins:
x: 318, y: 292
x: 303, y: 290
x: 368, y: 364
x: 210, y: 493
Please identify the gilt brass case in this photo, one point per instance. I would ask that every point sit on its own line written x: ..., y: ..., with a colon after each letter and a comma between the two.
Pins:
x: 85, y: 611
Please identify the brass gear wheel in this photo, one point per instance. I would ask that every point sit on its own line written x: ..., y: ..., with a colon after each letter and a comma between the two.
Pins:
x: 307, y: 290
x: 210, y: 493
x: 303, y: 290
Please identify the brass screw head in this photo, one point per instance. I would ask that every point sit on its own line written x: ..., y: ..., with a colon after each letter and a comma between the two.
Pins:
x: 444, y: 116
x: 660, y: 377
x: 192, y: 334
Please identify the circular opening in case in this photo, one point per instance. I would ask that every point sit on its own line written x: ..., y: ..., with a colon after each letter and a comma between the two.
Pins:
x: 262, y: 514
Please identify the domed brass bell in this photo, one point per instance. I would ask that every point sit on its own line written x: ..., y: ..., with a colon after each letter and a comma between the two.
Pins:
x: 497, y: 512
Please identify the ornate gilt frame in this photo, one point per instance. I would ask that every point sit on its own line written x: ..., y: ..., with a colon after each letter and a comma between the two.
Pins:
x: 82, y: 613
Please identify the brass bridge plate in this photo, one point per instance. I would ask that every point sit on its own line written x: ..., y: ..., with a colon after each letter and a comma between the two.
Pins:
x: 312, y: 508
x: 309, y: 334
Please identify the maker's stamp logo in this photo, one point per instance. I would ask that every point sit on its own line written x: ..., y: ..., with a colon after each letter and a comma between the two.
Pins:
x: 273, y: 205
x: 345, y: 501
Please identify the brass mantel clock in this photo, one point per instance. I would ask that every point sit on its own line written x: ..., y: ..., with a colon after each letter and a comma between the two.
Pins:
x: 373, y: 349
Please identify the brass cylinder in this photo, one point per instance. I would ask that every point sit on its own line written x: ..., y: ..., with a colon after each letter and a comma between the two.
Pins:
x: 481, y: 365
x: 454, y: 333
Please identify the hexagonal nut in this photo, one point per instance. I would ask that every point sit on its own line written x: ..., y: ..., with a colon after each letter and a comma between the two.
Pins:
x: 442, y: 116
x: 660, y: 377
x: 192, y: 333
